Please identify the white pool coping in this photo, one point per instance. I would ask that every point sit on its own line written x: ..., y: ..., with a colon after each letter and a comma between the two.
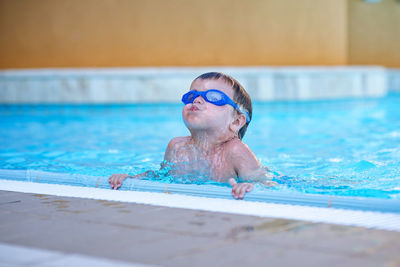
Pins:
x: 368, y: 219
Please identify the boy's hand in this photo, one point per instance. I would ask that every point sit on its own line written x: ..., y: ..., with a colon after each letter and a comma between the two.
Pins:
x: 238, y: 190
x: 116, y: 180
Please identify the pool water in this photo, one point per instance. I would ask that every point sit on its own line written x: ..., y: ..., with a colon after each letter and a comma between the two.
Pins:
x: 340, y: 147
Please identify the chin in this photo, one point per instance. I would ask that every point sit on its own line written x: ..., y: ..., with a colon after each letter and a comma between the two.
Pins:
x: 194, y: 123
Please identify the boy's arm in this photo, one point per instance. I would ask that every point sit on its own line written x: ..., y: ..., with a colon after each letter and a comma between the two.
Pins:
x: 116, y: 179
x: 247, y: 165
x: 248, y: 169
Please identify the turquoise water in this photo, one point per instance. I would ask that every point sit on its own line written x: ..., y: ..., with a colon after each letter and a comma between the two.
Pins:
x: 341, y: 147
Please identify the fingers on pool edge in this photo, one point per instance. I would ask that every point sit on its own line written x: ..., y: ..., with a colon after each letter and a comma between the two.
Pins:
x: 249, y: 187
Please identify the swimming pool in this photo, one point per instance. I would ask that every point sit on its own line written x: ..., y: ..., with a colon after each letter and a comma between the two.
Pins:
x: 338, y: 147
x: 342, y: 155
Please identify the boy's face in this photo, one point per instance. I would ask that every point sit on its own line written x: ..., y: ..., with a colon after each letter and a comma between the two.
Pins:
x: 202, y: 115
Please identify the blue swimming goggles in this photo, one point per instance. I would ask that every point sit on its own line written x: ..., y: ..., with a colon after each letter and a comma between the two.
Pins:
x: 215, y: 97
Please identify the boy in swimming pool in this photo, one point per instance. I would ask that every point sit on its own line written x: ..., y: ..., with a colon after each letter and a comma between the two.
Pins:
x: 217, y: 112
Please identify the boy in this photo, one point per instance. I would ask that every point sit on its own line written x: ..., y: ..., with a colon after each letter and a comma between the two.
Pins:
x: 217, y: 112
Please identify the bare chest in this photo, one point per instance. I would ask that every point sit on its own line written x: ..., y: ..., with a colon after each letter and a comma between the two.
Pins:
x: 188, y: 161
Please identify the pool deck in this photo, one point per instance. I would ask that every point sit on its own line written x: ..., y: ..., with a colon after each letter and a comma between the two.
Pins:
x: 45, y: 230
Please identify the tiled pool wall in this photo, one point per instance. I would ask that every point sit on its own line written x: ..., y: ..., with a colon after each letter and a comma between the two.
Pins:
x: 393, y: 78
x: 141, y: 85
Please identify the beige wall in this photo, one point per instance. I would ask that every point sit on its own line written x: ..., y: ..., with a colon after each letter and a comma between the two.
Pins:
x: 76, y: 33
x: 374, y: 33
x: 110, y: 33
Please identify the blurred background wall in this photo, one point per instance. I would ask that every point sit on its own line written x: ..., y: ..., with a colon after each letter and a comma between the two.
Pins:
x: 138, y: 33
x: 374, y: 33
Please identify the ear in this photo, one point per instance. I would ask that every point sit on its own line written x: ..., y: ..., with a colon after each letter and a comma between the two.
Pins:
x: 237, y: 123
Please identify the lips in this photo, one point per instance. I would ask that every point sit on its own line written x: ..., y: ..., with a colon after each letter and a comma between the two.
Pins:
x: 194, y: 108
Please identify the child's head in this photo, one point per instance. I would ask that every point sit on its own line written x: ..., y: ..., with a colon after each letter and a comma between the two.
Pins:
x: 242, y: 106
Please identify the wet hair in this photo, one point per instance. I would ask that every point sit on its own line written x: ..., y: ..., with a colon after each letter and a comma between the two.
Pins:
x: 240, y: 96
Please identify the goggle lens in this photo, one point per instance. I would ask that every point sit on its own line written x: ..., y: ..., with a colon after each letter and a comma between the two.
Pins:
x: 214, y: 97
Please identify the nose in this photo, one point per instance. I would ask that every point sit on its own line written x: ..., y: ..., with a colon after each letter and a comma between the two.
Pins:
x: 199, y: 100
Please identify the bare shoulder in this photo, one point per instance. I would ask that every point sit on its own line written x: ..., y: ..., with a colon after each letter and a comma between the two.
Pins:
x: 241, y: 156
x: 174, y: 147
x: 178, y: 141
x: 238, y: 147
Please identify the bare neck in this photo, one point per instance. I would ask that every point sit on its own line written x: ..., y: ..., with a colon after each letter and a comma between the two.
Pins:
x: 207, y: 142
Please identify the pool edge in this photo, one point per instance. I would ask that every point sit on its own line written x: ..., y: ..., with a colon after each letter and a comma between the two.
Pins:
x: 207, y: 190
x: 367, y: 219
